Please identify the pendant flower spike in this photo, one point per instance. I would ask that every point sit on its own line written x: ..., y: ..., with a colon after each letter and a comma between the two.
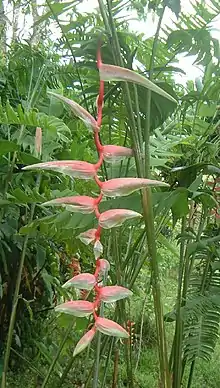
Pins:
x: 118, y: 187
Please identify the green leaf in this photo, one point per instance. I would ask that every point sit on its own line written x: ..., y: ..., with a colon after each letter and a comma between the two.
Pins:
x: 7, y: 146
x: 180, y: 206
x: 40, y: 257
x: 206, y: 110
x: 27, y: 158
x: 24, y: 198
x: 174, y: 5
x: 194, y: 246
x: 4, y: 202
x: 168, y: 245
x: 180, y: 36
x: 64, y: 320
x: 56, y: 9
x: 81, y: 323
x: 196, y: 183
x: 34, y: 119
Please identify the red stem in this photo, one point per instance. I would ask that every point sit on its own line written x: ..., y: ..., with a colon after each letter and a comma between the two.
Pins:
x: 100, y: 161
x: 99, y: 146
x: 96, y: 274
x: 99, y: 58
x: 97, y: 213
x: 95, y: 315
x: 99, y: 183
x: 98, y: 199
x: 98, y: 233
x: 100, y: 103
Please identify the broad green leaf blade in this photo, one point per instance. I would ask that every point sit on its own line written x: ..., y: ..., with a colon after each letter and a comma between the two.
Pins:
x: 7, y: 146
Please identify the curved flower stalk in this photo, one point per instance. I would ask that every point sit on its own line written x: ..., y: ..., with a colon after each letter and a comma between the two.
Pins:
x: 106, y: 220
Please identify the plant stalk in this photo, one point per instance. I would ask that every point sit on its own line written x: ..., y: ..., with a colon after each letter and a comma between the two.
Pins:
x: 115, y: 371
x: 150, y: 231
x: 14, y: 305
x: 98, y: 346
x: 146, y: 200
x: 177, y: 344
x: 52, y: 365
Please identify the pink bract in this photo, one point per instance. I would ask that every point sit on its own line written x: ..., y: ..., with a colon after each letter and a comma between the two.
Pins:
x: 117, y: 73
x: 74, y: 168
x: 88, y: 237
x: 84, y: 341
x: 83, y: 281
x: 115, y: 217
x: 82, y: 204
x: 38, y: 140
x: 114, y: 153
x: 108, y: 327
x: 98, y: 249
x: 79, y: 111
x: 104, y: 266
x: 78, y: 308
x: 124, y: 186
x: 110, y: 294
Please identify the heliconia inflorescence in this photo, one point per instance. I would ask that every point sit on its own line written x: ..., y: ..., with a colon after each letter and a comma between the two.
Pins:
x: 109, y: 219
